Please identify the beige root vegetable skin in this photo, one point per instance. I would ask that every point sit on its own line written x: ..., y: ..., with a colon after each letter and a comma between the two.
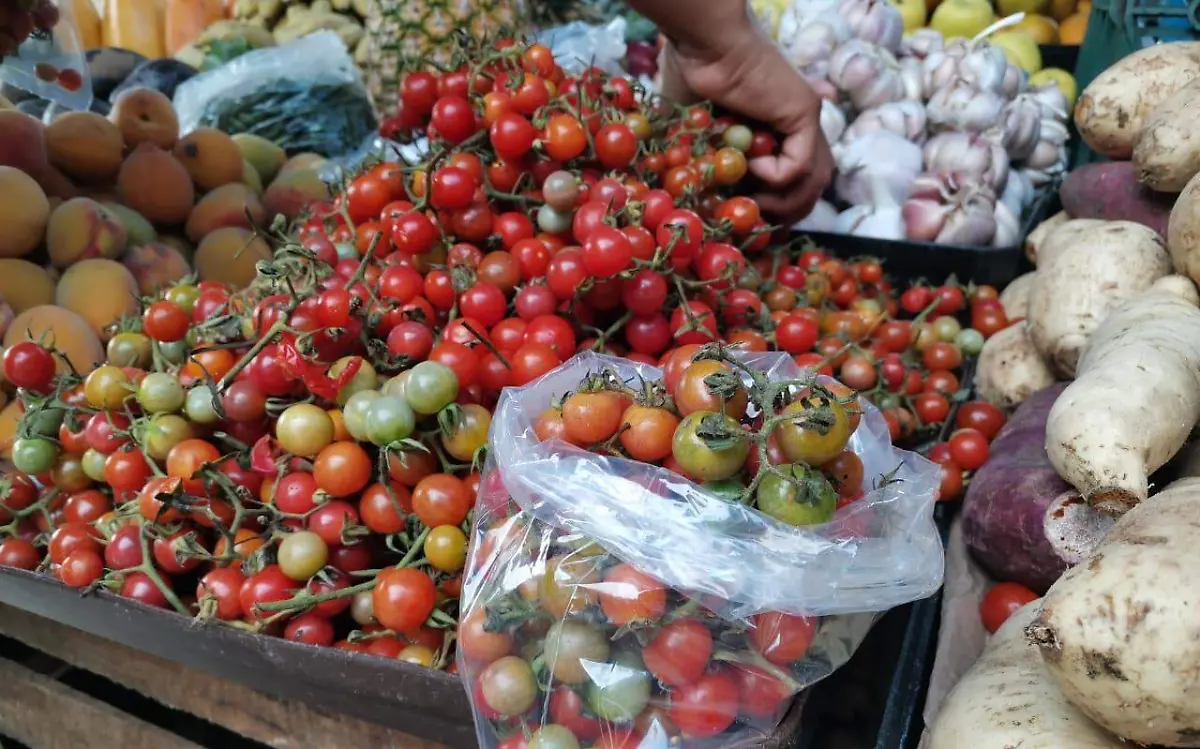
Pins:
x: 1118, y: 633
x: 1183, y: 230
x: 1061, y: 236
x: 1010, y: 369
x: 1102, y: 265
x: 1040, y: 232
x: 1166, y: 153
x: 1008, y: 700
x: 1015, y: 296
x: 1134, y: 401
x: 1112, y: 109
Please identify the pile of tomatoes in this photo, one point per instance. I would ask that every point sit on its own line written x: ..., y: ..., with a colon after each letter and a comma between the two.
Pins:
x: 572, y: 645
x: 301, y: 457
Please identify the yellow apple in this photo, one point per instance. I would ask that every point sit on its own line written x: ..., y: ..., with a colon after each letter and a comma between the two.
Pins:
x: 1043, y: 29
x: 913, y: 12
x: 1061, y: 78
x: 1020, y: 49
x: 964, y: 18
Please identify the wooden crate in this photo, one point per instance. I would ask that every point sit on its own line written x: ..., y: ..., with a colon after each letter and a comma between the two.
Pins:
x: 41, y: 708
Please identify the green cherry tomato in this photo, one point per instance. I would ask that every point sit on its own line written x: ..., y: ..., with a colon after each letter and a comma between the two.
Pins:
x: 389, y: 419
x: 304, y: 429
x: 970, y: 341
x: 184, y: 295
x: 572, y: 648
x: 804, y: 497
x: 93, y: 464
x: 430, y: 387
x: 301, y: 555
x: 164, y: 432
x: 509, y: 686
x: 160, y: 393
x: 469, y: 434
x: 618, y: 691
x: 697, y: 457
x: 129, y: 350
x: 354, y: 413
x: 818, y: 432
x: 34, y: 455
x: 174, y: 352
x: 395, y: 385
x: 365, y: 378
x: 44, y: 422
x: 198, y: 405
x: 553, y: 736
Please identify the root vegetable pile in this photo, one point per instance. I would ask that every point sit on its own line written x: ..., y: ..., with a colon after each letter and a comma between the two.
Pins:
x: 300, y: 458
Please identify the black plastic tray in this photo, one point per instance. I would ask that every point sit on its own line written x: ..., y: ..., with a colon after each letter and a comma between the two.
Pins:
x: 1063, y: 56
x: 907, y: 260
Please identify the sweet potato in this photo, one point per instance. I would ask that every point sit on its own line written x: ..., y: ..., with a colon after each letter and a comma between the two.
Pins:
x: 1112, y: 192
x: 1166, y: 153
x: 1082, y: 282
x: 1118, y: 633
x: 1021, y: 521
x: 1010, y: 369
x: 1136, y: 399
x: 1183, y: 231
x: 1113, y: 107
x: 1008, y: 700
x: 1034, y: 240
x: 1015, y: 296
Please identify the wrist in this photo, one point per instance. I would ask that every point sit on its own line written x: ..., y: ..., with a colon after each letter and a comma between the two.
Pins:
x: 731, y: 31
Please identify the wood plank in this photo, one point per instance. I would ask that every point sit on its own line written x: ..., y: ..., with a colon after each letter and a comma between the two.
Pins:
x: 43, y: 713
x: 284, y: 725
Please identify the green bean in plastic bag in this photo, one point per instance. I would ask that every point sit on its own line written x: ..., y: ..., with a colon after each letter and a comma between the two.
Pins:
x: 305, y: 96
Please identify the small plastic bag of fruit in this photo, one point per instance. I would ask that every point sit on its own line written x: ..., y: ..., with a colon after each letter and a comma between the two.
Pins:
x: 41, y: 52
x: 637, y: 579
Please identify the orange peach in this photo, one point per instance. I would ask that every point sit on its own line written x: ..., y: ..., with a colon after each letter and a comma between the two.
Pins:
x: 234, y: 204
x: 210, y: 157
x: 81, y: 228
x: 100, y: 291
x: 156, y: 185
x: 24, y: 211
x: 230, y: 255
x: 85, y: 146
x: 144, y: 115
x: 155, y: 265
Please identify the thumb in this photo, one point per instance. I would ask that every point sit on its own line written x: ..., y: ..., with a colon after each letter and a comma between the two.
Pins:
x: 671, y: 81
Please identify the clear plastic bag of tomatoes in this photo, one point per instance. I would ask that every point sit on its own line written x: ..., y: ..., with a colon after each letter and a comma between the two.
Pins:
x: 611, y: 602
x: 49, y: 59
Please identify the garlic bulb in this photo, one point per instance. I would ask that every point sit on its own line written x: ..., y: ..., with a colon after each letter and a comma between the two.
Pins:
x: 1018, y: 192
x: 823, y: 218
x: 1049, y: 154
x: 944, y: 207
x: 921, y: 43
x: 876, y: 159
x: 972, y: 222
x: 984, y: 67
x: 1019, y: 128
x: 913, y: 78
x: 875, y: 21
x: 1052, y: 100
x: 973, y: 156
x: 905, y: 118
x: 798, y: 15
x: 833, y: 121
x: 1008, y: 227
x: 940, y: 67
x: 810, y: 46
x: 1015, y: 81
x: 879, y: 218
x: 962, y: 107
x: 868, y: 74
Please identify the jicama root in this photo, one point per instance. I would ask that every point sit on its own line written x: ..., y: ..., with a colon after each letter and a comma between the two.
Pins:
x: 1010, y: 368
x: 1008, y: 700
x: 1118, y: 632
x: 1134, y: 402
x: 1015, y: 296
x: 1076, y: 288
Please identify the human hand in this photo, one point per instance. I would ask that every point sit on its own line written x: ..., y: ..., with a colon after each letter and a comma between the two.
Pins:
x: 747, y: 74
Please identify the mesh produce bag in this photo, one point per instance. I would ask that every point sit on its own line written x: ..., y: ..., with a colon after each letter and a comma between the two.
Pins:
x: 610, y: 602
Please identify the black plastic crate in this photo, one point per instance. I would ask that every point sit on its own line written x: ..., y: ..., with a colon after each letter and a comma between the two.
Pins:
x: 906, y: 260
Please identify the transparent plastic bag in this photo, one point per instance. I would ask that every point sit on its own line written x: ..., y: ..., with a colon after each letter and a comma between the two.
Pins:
x: 578, y: 45
x: 51, y: 63
x: 306, y: 95
x: 565, y: 540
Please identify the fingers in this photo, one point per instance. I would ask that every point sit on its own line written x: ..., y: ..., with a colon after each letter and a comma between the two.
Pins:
x: 796, y: 178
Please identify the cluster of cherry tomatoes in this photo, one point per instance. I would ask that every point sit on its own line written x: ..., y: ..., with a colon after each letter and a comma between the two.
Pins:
x: 299, y: 457
x: 570, y: 644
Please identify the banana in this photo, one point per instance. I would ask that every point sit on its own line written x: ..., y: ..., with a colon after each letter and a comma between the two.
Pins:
x: 255, y: 35
x: 361, y: 7
x: 306, y: 22
x: 341, y: 6
x: 321, y: 6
